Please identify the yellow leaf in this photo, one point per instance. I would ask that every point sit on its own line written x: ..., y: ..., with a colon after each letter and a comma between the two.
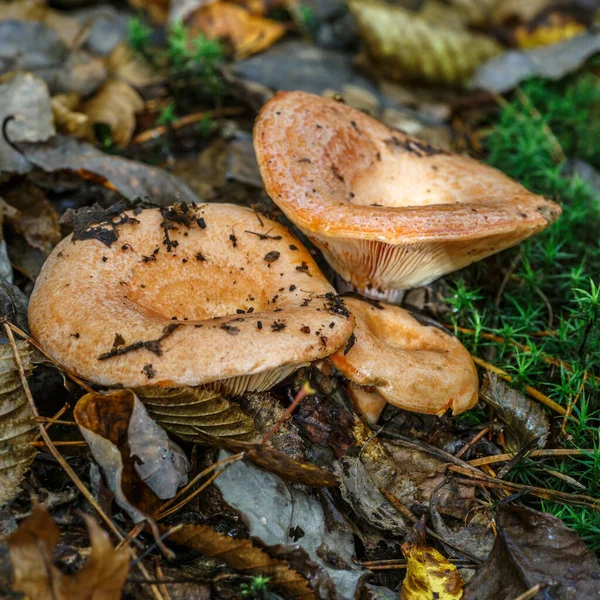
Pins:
x: 404, y: 45
x: 430, y: 576
x: 556, y: 28
x: 66, y: 117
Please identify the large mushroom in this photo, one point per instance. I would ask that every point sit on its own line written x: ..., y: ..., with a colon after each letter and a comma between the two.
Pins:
x: 388, y: 211
x: 394, y: 357
x: 185, y: 296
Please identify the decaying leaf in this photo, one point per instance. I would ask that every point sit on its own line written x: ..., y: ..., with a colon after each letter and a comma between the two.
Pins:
x: 527, y: 423
x: 503, y: 73
x: 406, y: 46
x: 158, y: 10
x: 429, y: 574
x: 140, y: 462
x: 66, y: 116
x: 123, y: 64
x: 114, y: 106
x: 246, y: 33
x: 24, y: 97
x: 535, y: 548
x: 130, y: 178
x: 293, y: 519
x: 243, y: 555
x: 555, y: 28
x: 189, y: 412
x: 31, y: 548
x: 17, y: 427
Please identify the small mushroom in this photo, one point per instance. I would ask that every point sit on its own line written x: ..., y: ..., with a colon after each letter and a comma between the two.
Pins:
x: 169, y: 301
x: 389, y: 211
x: 413, y: 364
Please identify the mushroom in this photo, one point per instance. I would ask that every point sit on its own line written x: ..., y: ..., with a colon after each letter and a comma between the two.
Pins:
x: 394, y: 357
x: 185, y: 296
x: 388, y: 211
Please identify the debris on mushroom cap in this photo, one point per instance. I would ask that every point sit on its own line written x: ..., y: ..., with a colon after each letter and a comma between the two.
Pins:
x: 167, y: 300
x: 388, y: 211
x: 411, y: 364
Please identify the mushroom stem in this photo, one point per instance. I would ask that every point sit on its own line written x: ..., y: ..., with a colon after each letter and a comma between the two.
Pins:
x: 391, y: 296
x: 369, y: 405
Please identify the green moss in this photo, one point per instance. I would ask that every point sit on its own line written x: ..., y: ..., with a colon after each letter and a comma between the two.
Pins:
x: 551, y: 302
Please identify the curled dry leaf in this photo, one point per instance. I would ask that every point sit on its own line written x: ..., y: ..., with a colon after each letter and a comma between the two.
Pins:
x: 66, y: 117
x: 139, y: 461
x: 534, y: 548
x: 31, y: 548
x: 405, y: 46
x: 243, y: 555
x: 17, y: 427
x: 189, y: 412
x: 246, y: 33
x: 115, y: 106
x: 527, y: 423
x: 123, y: 64
x: 429, y: 574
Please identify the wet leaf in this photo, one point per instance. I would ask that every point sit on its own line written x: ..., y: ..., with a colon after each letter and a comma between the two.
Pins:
x: 503, y: 73
x: 284, y: 516
x: 188, y: 412
x: 17, y: 427
x: 535, y: 548
x: 243, y: 555
x: 139, y: 461
x: 114, y: 106
x: 246, y: 33
x: 404, y: 45
x: 26, y: 98
x: 130, y: 178
x: 429, y: 574
x: 31, y: 548
x: 527, y: 423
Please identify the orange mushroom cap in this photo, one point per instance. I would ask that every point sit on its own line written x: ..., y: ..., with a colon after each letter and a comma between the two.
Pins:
x: 412, y: 364
x: 186, y: 296
x: 388, y: 211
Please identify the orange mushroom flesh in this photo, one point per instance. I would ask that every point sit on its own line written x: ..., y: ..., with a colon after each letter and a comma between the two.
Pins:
x: 186, y: 296
x: 394, y: 358
x: 388, y: 211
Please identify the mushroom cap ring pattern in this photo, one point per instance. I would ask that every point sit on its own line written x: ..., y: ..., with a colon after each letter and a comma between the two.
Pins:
x: 387, y: 210
x: 186, y: 296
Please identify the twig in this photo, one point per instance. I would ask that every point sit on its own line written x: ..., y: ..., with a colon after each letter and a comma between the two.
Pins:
x: 528, y: 389
x: 490, y: 460
x: 532, y: 592
x: 51, y: 420
x: 572, y: 404
x: 471, y: 442
x: 305, y: 391
x: 42, y: 443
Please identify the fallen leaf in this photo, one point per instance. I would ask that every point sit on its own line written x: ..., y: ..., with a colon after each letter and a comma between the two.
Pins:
x: 243, y: 555
x: 188, y: 412
x: 158, y: 10
x: 123, y: 64
x: 429, y: 575
x: 284, y: 516
x: 66, y: 117
x: 527, y: 423
x: 556, y: 27
x: 139, y: 461
x: 31, y: 548
x: 404, y: 45
x: 535, y: 548
x: 13, y: 305
x: 503, y: 73
x: 24, y: 97
x: 33, y: 216
x: 114, y: 106
x: 132, y: 179
x: 17, y: 427
x: 241, y: 160
x: 246, y: 33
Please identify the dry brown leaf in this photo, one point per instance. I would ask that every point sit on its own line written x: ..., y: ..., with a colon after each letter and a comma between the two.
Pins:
x: 140, y: 463
x: 122, y: 63
x: 243, y: 555
x: 158, y: 10
x: 246, y: 33
x: 189, y: 412
x: 66, y: 117
x: 115, y: 105
x: 31, y: 548
x: 555, y: 28
x: 429, y: 574
x: 405, y: 46
x: 17, y: 427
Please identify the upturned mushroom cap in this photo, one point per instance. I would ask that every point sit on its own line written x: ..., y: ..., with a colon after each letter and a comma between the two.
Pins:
x: 388, y: 211
x: 409, y: 363
x: 186, y: 296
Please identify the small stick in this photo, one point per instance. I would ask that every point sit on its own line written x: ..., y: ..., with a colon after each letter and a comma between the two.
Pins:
x: 42, y: 443
x: 528, y: 389
x: 305, y: 391
x: 490, y: 460
x: 532, y: 592
x: 471, y: 442
x: 572, y: 404
x: 52, y: 420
